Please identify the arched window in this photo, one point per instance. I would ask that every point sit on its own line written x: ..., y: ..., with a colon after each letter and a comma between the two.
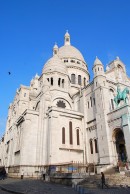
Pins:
x: 112, y: 99
x: 91, y: 146
x: 96, y: 147
x: 77, y: 131
x: 79, y: 79
x: 91, y: 101
x: 84, y: 81
x: 59, y: 81
x: 66, y: 61
x: 73, y: 78
x: 55, y: 52
x: 63, y: 81
x: 67, y: 39
x: 88, y: 104
x: 63, y: 135
x: 70, y: 133
x: 120, y: 72
x: 94, y: 101
x: 51, y: 81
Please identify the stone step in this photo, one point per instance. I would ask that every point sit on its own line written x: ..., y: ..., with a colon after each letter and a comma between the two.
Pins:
x: 91, y: 185
x: 114, y: 180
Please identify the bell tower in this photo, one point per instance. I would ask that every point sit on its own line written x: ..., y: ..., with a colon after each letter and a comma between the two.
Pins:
x: 67, y: 38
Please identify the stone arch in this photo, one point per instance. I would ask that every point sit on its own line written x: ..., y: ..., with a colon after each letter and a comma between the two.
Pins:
x: 119, y: 141
x: 78, y: 132
x: 67, y: 103
x: 112, y: 95
x: 120, y: 71
x: 112, y: 89
x: 120, y: 67
x: 73, y: 78
x: 91, y: 145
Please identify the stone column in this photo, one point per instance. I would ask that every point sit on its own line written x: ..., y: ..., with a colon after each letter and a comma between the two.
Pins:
x: 115, y: 156
x: 126, y: 130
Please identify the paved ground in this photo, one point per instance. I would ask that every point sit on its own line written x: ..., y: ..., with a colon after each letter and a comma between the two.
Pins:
x: 40, y: 187
x: 109, y: 191
x: 35, y: 187
x: 3, y: 192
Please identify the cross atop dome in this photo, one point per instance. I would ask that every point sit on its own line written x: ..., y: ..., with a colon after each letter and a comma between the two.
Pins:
x: 67, y: 38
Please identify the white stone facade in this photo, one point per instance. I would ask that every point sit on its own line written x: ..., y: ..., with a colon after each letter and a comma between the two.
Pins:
x: 62, y: 117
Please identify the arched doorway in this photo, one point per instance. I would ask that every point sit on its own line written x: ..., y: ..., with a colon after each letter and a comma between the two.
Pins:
x: 119, y: 140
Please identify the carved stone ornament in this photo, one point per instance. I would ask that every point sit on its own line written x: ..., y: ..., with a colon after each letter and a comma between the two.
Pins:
x: 61, y: 104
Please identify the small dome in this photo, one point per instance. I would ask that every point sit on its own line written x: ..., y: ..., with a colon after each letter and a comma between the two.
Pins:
x: 68, y: 51
x: 97, y: 62
x: 55, y: 64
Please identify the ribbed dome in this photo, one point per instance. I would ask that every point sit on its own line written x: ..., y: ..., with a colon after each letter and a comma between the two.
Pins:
x: 55, y: 64
x: 68, y: 51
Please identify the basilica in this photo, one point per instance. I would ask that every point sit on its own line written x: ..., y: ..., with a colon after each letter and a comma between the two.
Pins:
x: 63, y: 117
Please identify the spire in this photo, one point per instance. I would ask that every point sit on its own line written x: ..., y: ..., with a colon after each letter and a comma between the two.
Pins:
x: 55, y: 49
x: 98, y: 68
x: 97, y: 61
x: 67, y: 38
x: 36, y: 76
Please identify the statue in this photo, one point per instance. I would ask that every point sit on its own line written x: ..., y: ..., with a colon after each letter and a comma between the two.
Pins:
x: 118, y: 92
x: 121, y: 96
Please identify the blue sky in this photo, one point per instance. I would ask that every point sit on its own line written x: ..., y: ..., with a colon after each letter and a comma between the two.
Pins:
x: 29, y: 29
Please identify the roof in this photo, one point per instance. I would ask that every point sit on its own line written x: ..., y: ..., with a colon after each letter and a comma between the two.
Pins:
x: 68, y: 51
x: 55, y: 64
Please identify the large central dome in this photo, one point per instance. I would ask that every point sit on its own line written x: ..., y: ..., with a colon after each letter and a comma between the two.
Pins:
x: 68, y: 51
x: 65, y: 58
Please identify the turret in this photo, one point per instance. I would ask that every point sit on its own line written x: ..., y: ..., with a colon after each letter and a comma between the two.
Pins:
x: 55, y: 49
x: 101, y: 94
x: 67, y: 39
x: 34, y: 82
x: 98, y: 68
